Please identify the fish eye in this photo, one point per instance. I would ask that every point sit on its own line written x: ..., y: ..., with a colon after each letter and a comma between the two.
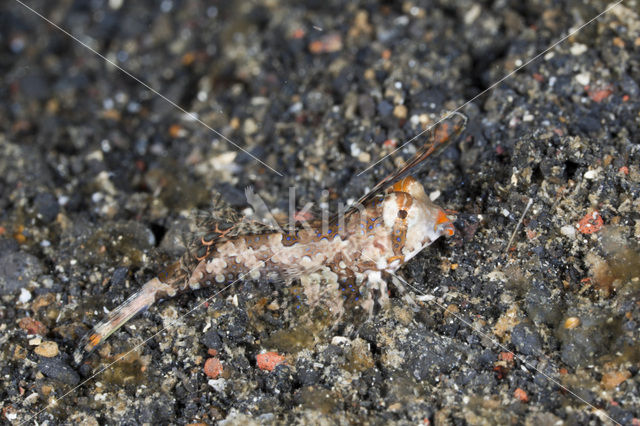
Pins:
x: 402, y: 214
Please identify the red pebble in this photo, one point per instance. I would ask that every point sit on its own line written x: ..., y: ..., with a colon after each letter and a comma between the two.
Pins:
x: 505, y: 356
x: 213, y: 368
x: 269, y: 360
x: 600, y: 95
x: 592, y: 222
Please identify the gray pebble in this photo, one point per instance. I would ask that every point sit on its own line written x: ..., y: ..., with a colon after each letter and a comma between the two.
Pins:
x: 16, y: 270
x: 526, y: 340
x: 57, y: 369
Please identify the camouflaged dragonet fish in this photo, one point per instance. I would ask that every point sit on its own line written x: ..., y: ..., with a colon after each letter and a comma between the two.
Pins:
x: 355, y: 250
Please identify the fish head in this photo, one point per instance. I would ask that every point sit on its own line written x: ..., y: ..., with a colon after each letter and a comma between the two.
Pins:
x: 407, y: 206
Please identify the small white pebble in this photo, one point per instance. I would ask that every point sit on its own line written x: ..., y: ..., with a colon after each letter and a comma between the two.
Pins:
x: 591, y: 174
x: 340, y: 340
x: 218, y: 385
x: 96, y: 197
x: 528, y: 117
x: 250, y: 126
x: 434, y: 195
x: 583, y: 78
x: 578, y: 49
x: 355, y: 150
x: 472, y: 14
x: 568, y: 231
x: 505, y: 212
x: 25, y: 295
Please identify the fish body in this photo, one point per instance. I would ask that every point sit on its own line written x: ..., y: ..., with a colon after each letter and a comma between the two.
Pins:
x: 388, y: 227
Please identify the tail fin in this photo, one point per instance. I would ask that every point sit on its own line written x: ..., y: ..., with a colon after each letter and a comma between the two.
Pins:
x: 137, y: 302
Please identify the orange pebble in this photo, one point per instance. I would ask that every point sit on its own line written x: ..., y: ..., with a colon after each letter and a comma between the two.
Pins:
x: 213, y: 368
x: 521, y: 395
x: 269, y: 360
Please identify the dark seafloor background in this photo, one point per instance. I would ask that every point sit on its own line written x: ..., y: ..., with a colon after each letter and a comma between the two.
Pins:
x: 99, y: 177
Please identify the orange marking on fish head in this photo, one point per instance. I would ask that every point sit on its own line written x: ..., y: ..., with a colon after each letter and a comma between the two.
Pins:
x: 409, y: 185
x: 403, y: 185
x: 443, y: 222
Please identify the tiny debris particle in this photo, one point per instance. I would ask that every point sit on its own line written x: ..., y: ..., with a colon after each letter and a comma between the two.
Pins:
x: 19, y: 352
x: 599, y: 95
x: 269, y: 360
x: 298, y: 33
x: 592, y: 222
x: 538, y: 77
x: 33, y: 326
x: 571, y: 323
x: 624, y: 170
x: 176, y: 131
x: 400, y: 112
x: 213, y: 368
x: 613, y: 379
x: 521, y: 395
x: 505, y: 356
x: 578, y: 49
x: 47, y: 349
x: 364, y: 157
x: 326, y: 44
x: 42, y: 301
x: 250, y: 127
x: 451, y: 310
x: 188, y: 58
